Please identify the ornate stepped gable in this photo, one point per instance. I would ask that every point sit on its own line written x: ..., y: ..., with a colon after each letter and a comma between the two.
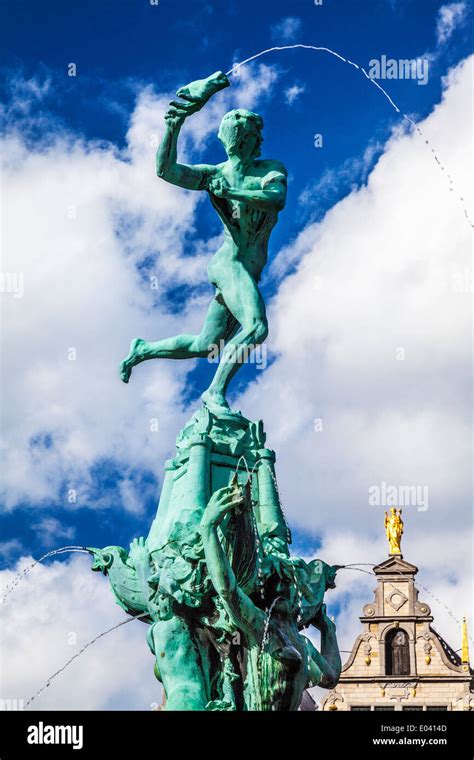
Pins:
x: 399, y: 661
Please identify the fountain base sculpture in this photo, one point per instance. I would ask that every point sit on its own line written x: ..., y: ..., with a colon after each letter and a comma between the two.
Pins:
x: 225, y: 599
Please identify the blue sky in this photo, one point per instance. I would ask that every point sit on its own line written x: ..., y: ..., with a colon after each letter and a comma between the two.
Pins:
x: 86, y: 142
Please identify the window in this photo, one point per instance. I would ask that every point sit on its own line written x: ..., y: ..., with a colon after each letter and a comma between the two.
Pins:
x: 397, y: 654
x: 413, y: 707
x: 360, y: 707
x: 384, y: 708
x: 436, y: 707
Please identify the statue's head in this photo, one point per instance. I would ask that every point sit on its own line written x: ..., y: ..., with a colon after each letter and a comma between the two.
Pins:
x: 241, y: 133
x: 281, y: 588
x: 104, y: 558
x: 322, y: 574
x: 298, y: 586
x: 186, y: 541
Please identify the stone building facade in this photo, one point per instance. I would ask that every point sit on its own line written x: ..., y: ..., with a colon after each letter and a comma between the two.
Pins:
x: 399, y: 661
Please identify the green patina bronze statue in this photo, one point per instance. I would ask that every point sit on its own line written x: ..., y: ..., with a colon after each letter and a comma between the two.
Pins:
x: 226, y: 625
x: 225, y: 602
x: 247, y: 193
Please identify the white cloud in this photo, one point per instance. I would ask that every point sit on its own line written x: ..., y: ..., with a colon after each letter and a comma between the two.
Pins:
x: 317, y: 197
x: 81, y: 292
x: 10, y: 548
x: 49, y: 530
x: 286, y: 29
x: 449, y: 18
x: 51, y: 615
x: 254, y: 85
x: 292, y: 93
x: 25, y: 94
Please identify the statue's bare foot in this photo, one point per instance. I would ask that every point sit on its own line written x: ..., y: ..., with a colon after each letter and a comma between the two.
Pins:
x: 216, y: 403
x: 135, y: 356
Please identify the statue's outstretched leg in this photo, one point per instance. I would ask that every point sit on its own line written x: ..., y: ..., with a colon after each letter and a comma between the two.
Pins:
x: 244, y: 301
x: 219, y: 325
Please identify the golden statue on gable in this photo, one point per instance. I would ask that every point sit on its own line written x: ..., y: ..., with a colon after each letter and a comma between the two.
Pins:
x: 394, y: 529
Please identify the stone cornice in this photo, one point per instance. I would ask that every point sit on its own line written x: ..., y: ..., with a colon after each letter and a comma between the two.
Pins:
x: 397, y: 619
x: 396, y: 565
x: 450, y: 678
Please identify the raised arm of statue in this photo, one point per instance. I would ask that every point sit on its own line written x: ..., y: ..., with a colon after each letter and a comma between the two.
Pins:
x: 400, y: 522
x: 194, y: 96
x: 246, y: 615
x: 325, y: 666
x: 387, y: 524
x: 167, y: 166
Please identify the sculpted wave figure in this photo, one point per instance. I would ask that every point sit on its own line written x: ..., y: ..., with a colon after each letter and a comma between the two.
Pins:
x: 247, y: 193
x: 280, y: 661
x: 220, y: 642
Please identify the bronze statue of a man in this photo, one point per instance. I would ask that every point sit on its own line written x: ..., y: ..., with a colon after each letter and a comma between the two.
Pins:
x: 248, y: 193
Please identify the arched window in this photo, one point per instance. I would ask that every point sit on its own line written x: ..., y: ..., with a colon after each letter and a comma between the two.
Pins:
x: 397, y: 653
